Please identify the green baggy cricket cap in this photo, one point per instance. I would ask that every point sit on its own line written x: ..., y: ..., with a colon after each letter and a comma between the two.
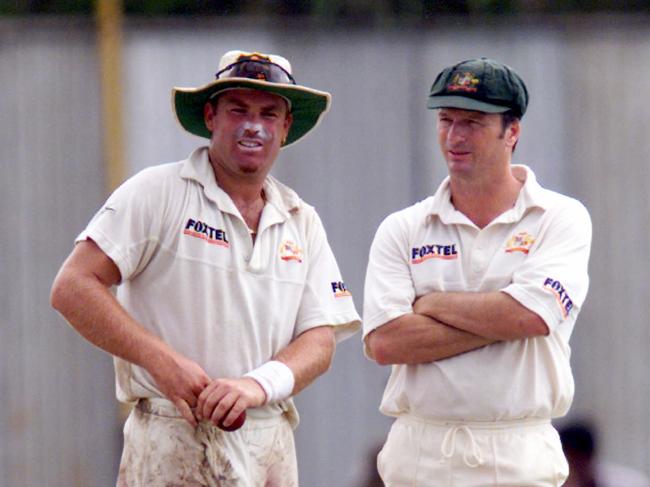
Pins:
x: 482, y: 85
x: 253, y: 71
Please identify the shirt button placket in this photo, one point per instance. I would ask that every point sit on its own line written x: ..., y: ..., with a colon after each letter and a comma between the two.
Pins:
x: 478, y: 256
x: 248, y: 243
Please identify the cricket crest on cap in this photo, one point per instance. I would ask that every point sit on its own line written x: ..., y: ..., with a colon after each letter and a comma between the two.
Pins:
x: 254, y: 56
x: 465, y: 81
x: 482, y: 85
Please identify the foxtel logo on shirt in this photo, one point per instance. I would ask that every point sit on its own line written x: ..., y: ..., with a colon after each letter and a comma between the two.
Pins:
x: 339, y: 289
x: 199, y: 229
x: 433, y: 251
x: 561, y: 295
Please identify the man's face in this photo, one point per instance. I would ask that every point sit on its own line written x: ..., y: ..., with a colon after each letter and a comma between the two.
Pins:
x: 248, y: 127
x: 475, y: 141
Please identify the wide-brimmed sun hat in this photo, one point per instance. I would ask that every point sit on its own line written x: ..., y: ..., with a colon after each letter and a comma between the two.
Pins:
x: 256, y: 71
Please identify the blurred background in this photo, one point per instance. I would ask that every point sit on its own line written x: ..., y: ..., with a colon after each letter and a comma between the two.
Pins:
x: 85, y: 102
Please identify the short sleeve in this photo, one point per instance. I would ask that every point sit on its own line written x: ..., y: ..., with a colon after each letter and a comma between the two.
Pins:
x: 389, y: 290
x: 326, y: 299
x: 127, y: 227
x: 553, y: 281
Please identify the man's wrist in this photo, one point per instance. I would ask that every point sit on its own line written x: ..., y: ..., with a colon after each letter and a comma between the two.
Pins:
x: 276, y: 378
x: 154, y: 355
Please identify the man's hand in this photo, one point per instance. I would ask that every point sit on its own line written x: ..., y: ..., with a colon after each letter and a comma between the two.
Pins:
x: 181, y: 380
x: 232, y: 396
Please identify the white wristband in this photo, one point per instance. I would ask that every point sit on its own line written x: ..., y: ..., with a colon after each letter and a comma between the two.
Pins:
x: 276, y: 379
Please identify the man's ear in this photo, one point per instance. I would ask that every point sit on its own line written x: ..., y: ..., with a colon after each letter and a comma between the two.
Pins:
x: 512, y: 133
x: 288, y: 120
x: 209, y: 111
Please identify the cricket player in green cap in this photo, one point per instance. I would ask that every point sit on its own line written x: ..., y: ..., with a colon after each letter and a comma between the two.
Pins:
x: 471, y: 296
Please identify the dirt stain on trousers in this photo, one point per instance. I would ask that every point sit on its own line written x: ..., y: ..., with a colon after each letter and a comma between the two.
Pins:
x: 162, y: 449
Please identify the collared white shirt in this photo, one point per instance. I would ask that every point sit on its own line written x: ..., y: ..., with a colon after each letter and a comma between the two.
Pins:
x: 537, y: 252
x: 192, y: 275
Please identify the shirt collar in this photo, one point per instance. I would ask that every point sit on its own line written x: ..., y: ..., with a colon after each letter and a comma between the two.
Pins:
x: 531, y: 195
x: 197, y: 168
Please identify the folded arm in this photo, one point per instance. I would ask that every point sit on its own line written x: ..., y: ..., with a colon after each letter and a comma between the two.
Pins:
x: 416, y: 339
x: 491, y: 315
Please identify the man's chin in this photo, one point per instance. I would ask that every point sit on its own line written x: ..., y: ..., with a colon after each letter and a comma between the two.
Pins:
x: 458, y: 166
x: 250, y: 166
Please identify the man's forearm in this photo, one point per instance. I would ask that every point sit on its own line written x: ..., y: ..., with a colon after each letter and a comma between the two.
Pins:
x: 417, y: 339
x: 309, y: 355
x: 93, y: 311
x: 81, y: 293
x: 494, y: 315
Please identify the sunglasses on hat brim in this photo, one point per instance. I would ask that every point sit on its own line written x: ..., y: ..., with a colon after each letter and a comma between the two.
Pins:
x: 256, y: 69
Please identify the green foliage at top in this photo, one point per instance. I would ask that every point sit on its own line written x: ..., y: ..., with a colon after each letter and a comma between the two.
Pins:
x: 362, y: 10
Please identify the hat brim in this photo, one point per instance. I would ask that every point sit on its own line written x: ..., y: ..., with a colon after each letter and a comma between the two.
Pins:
x: 307, y: 105
x: 464, y: 103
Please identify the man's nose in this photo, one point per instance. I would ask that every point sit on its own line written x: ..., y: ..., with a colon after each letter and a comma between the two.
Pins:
x: 252, y: 128
x: 456, y: 133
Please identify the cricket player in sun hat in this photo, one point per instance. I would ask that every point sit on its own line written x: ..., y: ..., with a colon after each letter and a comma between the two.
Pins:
x: 229, y: 299
x: 472, y: 295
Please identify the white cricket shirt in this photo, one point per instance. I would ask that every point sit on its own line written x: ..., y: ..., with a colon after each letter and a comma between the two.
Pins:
x: 537, y: 252
x: 191, y: 274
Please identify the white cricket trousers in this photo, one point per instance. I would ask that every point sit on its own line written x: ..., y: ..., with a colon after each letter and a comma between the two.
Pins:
x: 422, y: 453
x: 162, y: 449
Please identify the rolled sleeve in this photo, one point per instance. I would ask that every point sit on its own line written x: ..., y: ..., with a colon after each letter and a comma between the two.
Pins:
x: 326, y: 299
x: 553, y: 282
x: 389, y: 291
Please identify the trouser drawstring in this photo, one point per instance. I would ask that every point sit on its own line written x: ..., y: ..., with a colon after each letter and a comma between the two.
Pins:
x: 471, y: 456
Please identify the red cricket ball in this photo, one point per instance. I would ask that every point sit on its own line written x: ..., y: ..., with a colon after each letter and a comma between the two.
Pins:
x: 235, y: 425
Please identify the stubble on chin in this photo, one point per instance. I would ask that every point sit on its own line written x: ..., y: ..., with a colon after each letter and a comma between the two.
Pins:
x: 249, y: 170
